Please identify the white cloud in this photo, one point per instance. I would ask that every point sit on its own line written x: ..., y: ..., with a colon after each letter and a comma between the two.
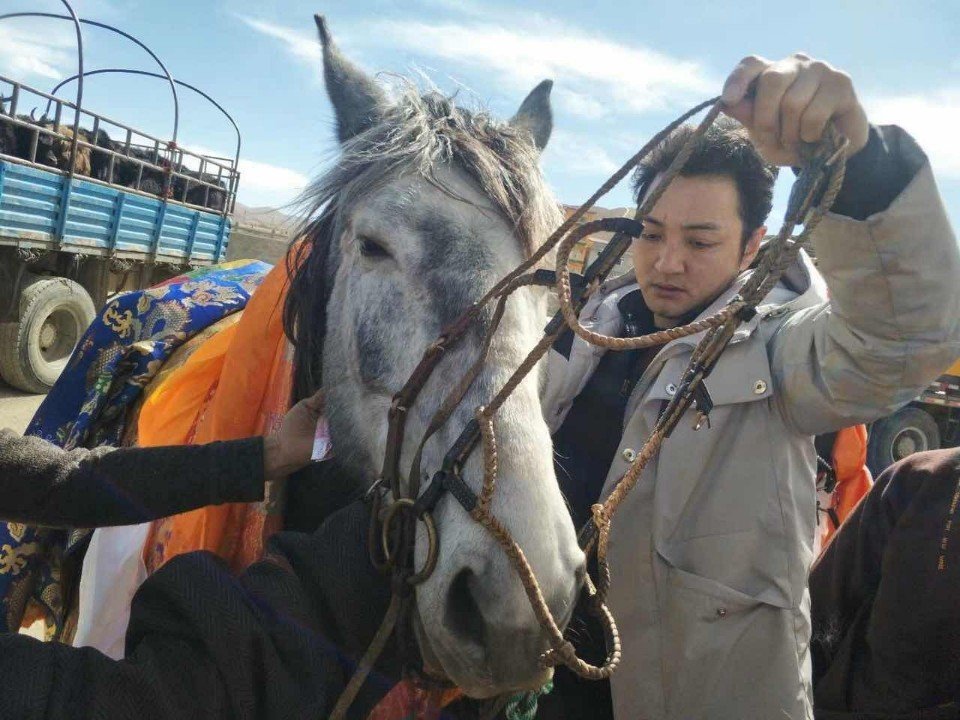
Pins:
x: 598, y: 75
x: 575, y: 153
x: 462, y: 7
x: 96, y: 9
x: 261, y: 184
x: 36, y: 50
x: 300, y: 44
x: 264, y: 176
x: 27, y: 54
x: 932, y: 118
x: 266, y: 185
x: 579, y: 104
x: 595, y: 77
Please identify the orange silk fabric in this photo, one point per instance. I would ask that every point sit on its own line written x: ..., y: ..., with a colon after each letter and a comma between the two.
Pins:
x: 849, y: 460
x: 237, y: 384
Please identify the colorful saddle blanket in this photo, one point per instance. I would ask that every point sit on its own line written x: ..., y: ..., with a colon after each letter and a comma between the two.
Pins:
x: 120, y: 353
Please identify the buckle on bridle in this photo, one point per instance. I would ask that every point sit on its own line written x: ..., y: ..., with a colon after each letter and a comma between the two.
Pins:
x: 392, y: 549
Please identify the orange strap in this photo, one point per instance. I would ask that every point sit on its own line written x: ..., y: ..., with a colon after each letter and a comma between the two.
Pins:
x: 849, y: 460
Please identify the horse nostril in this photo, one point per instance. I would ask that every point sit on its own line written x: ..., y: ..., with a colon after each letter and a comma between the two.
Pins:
x: 463, y: 615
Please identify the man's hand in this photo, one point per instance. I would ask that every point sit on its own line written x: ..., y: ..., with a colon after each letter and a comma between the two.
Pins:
x: 785, y: 102
x: 291, y: 447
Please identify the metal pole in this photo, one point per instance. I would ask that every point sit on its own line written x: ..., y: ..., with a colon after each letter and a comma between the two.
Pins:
x: 76, y: 113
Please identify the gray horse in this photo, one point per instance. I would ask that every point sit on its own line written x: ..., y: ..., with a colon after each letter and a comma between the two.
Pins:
x: 427, y: 207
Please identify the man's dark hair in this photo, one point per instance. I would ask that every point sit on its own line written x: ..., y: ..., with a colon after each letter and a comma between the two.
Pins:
x: 724, y: 150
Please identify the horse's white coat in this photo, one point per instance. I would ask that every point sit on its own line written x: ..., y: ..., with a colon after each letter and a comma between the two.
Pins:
x: 427, y: 208
x: 393, y: 300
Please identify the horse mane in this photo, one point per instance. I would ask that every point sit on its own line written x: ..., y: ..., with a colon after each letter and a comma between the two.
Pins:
x: 419, y: 133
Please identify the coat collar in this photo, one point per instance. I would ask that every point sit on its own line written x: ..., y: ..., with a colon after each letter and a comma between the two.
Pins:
x: 800, y: 286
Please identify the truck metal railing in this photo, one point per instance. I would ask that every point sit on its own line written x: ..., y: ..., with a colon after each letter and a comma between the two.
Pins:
x: 72, y: 17
x: 181, y: 83
x: 90, y: 206
x: 165, y: 158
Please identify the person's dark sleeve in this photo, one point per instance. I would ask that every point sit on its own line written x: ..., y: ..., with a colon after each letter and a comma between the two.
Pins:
x: 886, y: 632
x: 199, y: 647
x: 276, y: 643
x: 59, y: 682
x: 878, y: 173
x: 42, y: 484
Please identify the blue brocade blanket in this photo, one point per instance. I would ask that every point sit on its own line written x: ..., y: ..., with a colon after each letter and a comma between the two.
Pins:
x: 122, y: 350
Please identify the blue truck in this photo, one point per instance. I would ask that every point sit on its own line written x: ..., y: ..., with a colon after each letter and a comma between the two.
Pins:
x: 90, y: 207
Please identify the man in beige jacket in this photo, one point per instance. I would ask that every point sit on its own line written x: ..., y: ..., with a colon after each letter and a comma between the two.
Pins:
x: 710, y: 552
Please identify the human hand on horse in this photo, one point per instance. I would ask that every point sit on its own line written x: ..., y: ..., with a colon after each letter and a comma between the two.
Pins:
x: 783, y: 103
x: 291, y: 447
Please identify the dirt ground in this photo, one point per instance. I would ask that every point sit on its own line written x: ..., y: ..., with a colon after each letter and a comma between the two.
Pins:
x: 16, y: 408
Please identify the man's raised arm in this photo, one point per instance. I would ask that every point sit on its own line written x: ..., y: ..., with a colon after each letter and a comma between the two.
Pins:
x: 887, y: 253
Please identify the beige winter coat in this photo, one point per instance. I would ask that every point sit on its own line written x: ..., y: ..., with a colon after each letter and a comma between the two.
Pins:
x: 710, y: 552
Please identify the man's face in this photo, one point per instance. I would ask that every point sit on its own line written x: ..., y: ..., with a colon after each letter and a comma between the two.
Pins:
x: 690, y: 250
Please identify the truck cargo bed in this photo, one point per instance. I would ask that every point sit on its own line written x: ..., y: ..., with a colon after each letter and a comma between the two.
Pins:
x: 41, y: 209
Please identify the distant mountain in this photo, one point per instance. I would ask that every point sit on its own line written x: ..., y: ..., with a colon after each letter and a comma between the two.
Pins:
x: 263, y: 233
x: 265, y: 217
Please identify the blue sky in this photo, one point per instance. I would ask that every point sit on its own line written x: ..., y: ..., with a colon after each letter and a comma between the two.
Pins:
x: 622, y: 70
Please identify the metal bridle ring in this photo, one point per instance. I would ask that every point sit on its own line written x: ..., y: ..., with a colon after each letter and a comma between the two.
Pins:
x: 432, y: 549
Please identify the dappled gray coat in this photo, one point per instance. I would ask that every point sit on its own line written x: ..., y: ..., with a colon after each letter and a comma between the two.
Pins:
x: 710, y: 551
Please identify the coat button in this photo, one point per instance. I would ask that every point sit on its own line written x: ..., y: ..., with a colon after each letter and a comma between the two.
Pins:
x: 629, y: 455
x: 671, y: 389
x: 721, y: 612
x: 759, y: 387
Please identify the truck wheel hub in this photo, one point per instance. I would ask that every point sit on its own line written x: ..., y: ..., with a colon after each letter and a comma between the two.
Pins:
x: 48, y: 335
x: 910, y: 440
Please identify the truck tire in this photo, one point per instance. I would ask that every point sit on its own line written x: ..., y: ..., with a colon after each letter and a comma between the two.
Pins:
x: 909, y: 430
x: 54, y: 314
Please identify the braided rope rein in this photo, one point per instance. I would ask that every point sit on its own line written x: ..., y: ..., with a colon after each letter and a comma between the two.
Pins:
x: 720, y: 327
x: 808, y: 205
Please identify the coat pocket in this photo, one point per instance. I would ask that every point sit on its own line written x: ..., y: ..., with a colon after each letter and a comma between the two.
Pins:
x: 726, y: 654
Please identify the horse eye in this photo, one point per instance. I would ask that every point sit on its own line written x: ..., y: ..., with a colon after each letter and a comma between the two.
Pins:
x: 370, y: 248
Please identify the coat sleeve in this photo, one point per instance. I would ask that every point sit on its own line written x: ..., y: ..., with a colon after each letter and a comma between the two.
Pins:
x: 43, y: 484
x: 279, y: 642
x: 202, y: 645
x: 51, y: 681
x: 892, y: 323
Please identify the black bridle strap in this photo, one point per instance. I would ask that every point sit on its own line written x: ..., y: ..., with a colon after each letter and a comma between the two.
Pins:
x: 403, y: 400
x: 448, y: 478
x: 454, y: 398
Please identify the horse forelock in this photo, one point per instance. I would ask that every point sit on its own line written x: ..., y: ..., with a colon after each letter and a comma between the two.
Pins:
x: 419, y: 133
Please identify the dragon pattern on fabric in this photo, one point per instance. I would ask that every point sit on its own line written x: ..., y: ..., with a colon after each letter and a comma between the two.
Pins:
x: 119, y: 354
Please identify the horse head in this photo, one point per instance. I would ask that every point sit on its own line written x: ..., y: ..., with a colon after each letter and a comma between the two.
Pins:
x: 428, y: 205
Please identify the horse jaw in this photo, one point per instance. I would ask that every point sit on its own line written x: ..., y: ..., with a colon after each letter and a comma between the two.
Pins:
x: 475, y: 621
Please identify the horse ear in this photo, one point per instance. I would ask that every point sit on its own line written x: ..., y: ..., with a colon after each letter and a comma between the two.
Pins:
x: 536, y: 115
x: 357, y: 99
